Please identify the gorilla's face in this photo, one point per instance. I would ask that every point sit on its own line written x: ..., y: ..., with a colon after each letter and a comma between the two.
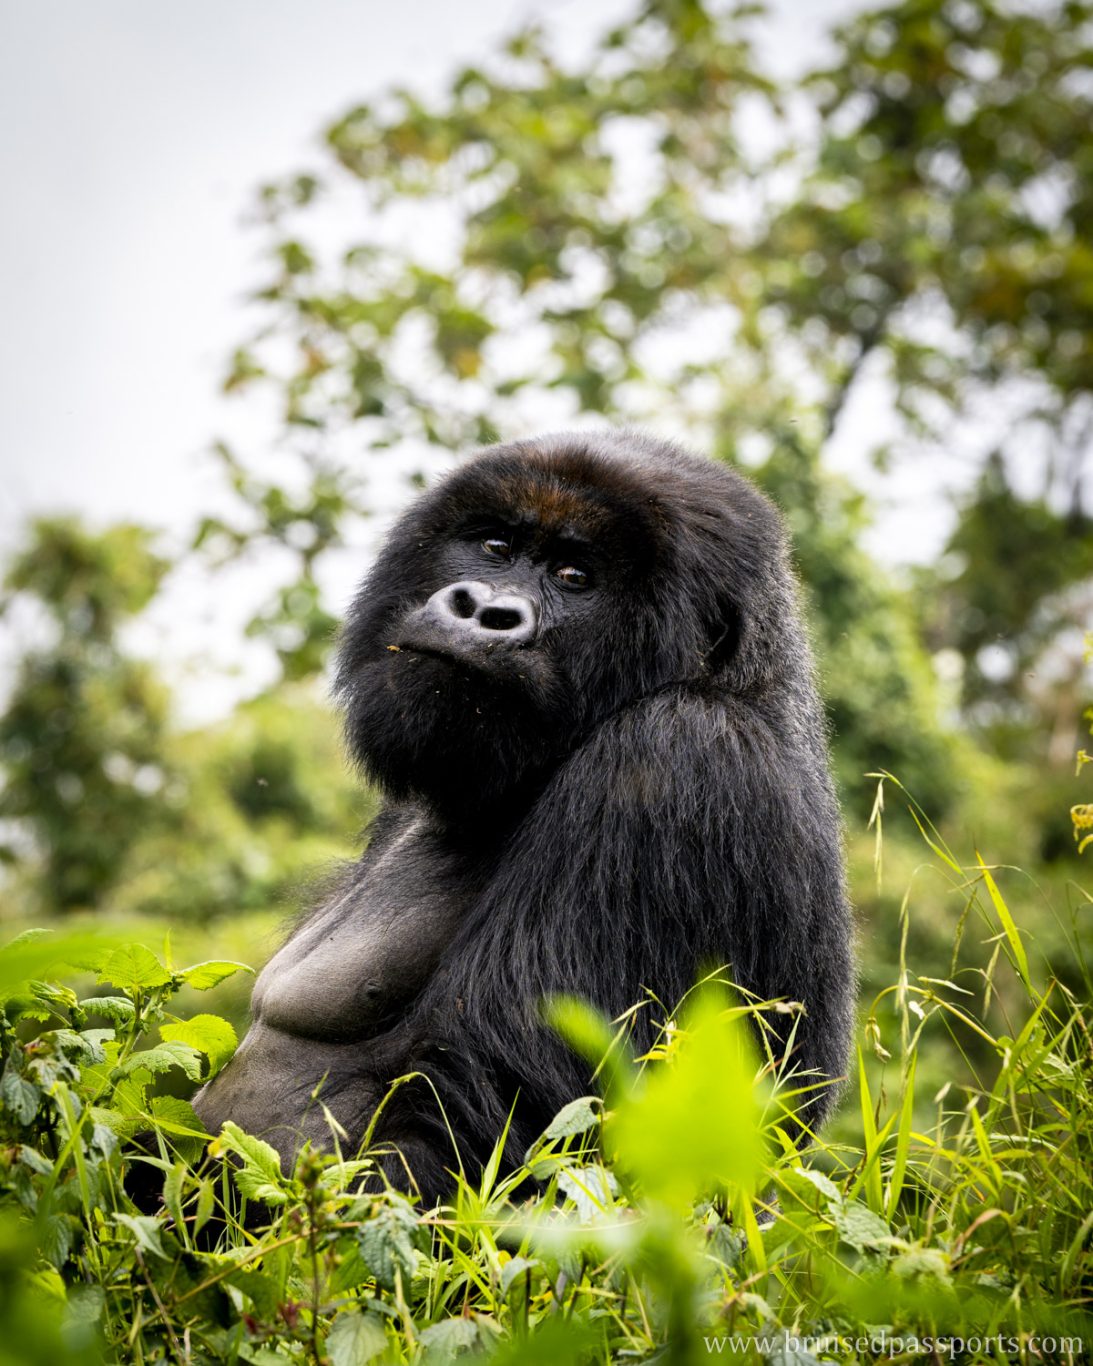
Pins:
x: 537, y: 590
x: 516, y: 593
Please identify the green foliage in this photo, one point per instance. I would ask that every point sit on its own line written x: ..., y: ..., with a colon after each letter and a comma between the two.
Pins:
x: 248, y: 810
x: 305, y: 525
x: 1041, y: 562
x: 954, y: 162
x: 89, y: 584
x: 652, y: 1225
x: 872, y: 662
x: 81, y: 741
x: 651, y: 1132
x: 259, y: 802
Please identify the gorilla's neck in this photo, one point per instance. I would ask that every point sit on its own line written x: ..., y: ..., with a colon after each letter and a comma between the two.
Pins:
x: 479, y: 822
x: 468, y: 750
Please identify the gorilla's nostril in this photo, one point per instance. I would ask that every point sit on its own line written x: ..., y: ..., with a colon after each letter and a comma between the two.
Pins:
x: 462, y: 603
x: 500, y: 618
x: 469, y: 615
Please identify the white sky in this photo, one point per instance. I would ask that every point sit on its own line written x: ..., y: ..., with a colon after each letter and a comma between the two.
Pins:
x: 132, y: 136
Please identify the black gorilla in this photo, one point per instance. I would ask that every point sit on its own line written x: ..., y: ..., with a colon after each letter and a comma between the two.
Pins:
x: 578, y: 674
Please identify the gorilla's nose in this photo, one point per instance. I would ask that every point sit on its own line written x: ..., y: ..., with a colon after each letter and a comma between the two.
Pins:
x: 476, y: 612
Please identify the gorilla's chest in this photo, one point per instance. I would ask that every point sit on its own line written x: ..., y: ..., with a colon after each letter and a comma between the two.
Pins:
x: 365, y: 955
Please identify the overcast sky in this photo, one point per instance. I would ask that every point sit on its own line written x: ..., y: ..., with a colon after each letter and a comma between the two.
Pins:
x: 132, y: 135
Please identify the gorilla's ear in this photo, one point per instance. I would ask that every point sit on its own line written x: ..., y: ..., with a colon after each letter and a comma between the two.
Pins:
x: 723, y: 632
x: 752, y: 637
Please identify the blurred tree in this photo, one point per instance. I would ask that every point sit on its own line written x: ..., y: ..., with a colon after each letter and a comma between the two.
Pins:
x: 81, y: 758
x: 945, y: 221
x: 878, y: 681
x: 305, y: 524
x: 942, y: 234
x: 258, y: 804
x: 544, y: 243
x: 101, y: 802
x: 1011, y: 594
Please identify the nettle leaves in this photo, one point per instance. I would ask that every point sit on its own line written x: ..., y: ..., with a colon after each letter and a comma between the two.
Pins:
x: 97, y: 1062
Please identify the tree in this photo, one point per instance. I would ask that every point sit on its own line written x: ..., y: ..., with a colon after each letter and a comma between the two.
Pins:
x: 1011, y: 594
x: 945, y: 222
x: 81, y: 740
x: 941, y: 235
x: 605, y: 241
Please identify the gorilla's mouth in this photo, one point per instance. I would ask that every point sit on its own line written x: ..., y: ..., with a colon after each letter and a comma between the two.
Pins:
x: 482, y: 674
x: 448, y: 653
x: 421, y: 642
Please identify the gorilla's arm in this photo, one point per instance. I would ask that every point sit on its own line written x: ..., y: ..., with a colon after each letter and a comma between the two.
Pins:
x: 687, y: 832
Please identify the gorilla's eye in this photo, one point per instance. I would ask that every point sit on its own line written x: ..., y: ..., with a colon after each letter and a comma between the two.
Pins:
x: 497, y: 545
x: 572, y: 576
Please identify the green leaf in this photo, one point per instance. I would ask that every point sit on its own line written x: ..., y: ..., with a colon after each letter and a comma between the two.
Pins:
x: 1013, y: 935
x: 203, y: 976
x: 515, y: 1266
x: 162, y: 1058
x: 32, y: 1158
x: 356, y: 1339
x: 860, y: 1227
x: 448, y: 1339
x: 177, y: 1116
x: 790, y: 1352
x: 172, y: 1192
x: 20, y: 1097
x: 591, y: 1035
x: 40, y: 953
x: 206, y: 1203
x: 133, y: 968
x: 49, y: 993
x: 259, y: 1175
x: 118, y: 1008
x: 85, y: 1305
x: 145, y: 1230
x: 556, y: 1339
x: 592, y: 1189
x: 823, y: 1184
x: 209, y: 1034
x: 389, y: 1243
x: 57, y: 1236
x: 903, y: 1139
x: 103, y: 1137
x: 925, y: 1263
x: 122, y: 1125
x: 350, y: 1271
x: 691, y: 1124
x: 577, y: 1117
x: 265, y: 1292
x: 127, y: 1100
x: 87, y: 1044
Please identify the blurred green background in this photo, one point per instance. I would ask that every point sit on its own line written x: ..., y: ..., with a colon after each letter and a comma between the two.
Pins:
x: 666, y: 232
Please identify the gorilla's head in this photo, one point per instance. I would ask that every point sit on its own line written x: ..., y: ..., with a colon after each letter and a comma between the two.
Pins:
x: 540, y: 588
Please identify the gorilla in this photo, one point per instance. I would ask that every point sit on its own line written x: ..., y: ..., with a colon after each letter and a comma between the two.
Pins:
x: 578, y: 675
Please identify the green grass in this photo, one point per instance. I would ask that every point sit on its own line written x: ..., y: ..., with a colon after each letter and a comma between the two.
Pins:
x: 941, y: 1216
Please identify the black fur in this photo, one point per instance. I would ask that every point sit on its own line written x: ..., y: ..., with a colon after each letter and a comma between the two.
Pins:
x: 639, y: 794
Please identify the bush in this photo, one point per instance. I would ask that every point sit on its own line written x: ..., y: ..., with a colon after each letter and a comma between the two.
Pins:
x: 667, y: 1218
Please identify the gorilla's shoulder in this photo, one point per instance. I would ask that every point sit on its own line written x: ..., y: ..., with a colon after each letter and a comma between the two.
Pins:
x: 677, y: 738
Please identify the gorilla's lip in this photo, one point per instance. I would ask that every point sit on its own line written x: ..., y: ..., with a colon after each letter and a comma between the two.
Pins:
x: 479, y: 656
x: 429, y: 651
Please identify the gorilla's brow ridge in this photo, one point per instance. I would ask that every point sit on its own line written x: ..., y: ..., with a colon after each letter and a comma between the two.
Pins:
x: 574, y: 508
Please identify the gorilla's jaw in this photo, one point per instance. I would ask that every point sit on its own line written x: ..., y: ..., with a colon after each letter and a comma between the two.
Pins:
x: 463, y: 734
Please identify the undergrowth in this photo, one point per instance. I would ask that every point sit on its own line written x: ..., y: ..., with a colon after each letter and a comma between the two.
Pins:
x: 671, y: 1220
